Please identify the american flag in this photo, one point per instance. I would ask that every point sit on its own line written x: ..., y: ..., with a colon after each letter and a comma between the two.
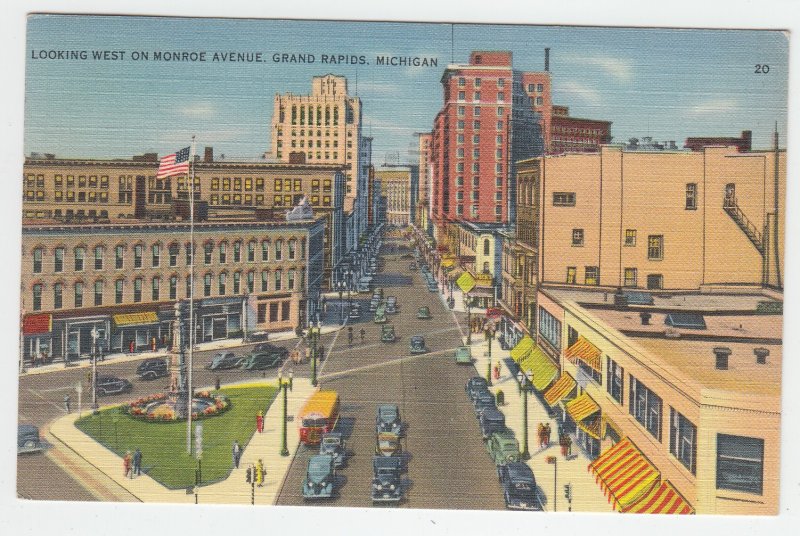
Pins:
x: 174, y: 164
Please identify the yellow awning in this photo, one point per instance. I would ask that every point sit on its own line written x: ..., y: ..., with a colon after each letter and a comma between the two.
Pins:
x: 560, y: 389
x: 522, y: 348
x: 447, y: 263
x: 592, y: 427
x: 625, y: 475
x: 582, y: 407
x: 663, y: 499
x: 586, y: 352
x: 465, y: 282
x: 541, y: 368
x: 136, y: 319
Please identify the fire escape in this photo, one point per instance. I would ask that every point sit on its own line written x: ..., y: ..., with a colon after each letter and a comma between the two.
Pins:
x: 756, y: 237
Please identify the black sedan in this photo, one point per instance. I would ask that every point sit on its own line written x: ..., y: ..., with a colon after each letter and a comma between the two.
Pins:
x: 519, y: 486
x: 111, y: 385
x: 272, y: 348
x: 475, y: 385
x: 225, y: 360
x: 150, y: 369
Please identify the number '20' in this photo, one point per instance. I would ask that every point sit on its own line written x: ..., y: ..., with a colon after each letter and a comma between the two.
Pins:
x: 762, y: 68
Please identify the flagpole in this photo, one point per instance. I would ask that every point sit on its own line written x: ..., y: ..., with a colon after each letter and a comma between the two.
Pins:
x: 190, y: 388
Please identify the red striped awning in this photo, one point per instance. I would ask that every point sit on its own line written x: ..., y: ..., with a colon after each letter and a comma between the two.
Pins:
x: 37, y: 324
x: 664, y: 499
x: 563, y: 386
x: 586, y: 352
x: 581, y: 408
x: 625, y: 475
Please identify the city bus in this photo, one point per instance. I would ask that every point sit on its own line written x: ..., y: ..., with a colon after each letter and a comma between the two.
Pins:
x: 318, y: 416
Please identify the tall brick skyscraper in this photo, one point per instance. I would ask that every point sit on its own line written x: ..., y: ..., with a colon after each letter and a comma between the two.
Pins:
x: 492, y: 117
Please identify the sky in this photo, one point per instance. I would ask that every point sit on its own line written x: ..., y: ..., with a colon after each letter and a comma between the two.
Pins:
x: 668, y: 84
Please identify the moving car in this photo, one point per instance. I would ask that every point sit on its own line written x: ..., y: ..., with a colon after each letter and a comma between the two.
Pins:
x: 388, y: 419
x: 503, y: 447
x: 424, y: 313
x: 387, y: 444
x: 150, y: 369
x: 491, y: 421
x: 269, y: 347
x: 463, y: 355
x: 416, y: 345
x: 484, y: 400
x: 225, y: 360
x: 363, y: 287
x: 386, y: 484
x: 374, y: 303
x: 433, y: 287
x: 333, y: 444
x: 391, y: 305
x: 320, y: 473
x: 519, y: 486
x: 380, y: 315
x: 28, y: 439
x: 475, y: 385
x: 261, y: 360
x: 111, y: 385
x: 387, y: 334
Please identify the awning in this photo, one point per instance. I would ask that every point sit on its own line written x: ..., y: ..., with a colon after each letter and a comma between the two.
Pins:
x: 625, y: 475
x: 663, y: 499
x: 541, y: 367
x: 592, y: 426
x: 586, y: 352
x: 136, y: 319
x: 563, y: 386
x: 37, y: 324
x: 582, y: 407
x: 522, y: 349
x: 447, y: 263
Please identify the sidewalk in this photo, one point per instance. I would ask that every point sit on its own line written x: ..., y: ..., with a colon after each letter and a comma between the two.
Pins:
x: 162, y: 352
x: 234, y: 489
x: 587, y: 495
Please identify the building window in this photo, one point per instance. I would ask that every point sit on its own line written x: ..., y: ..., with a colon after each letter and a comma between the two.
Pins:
x: 592, y: 275
x: 37, y: 260
x: 156, y: 288
x: 80, y: 255
x: 563, y: 199
x: 614, y: 379
x: 265, y: 250
x: 98, y: 292
x: 630, y: 237
x: 173, y: 254
x: 98, y: 257
x: 58, y: 295
x: 550, y: 328
x: 251, y: 281
x: 740, y: 463
x: 119, y: 257
x: 572, y: 275
x: 577, y: 237
x: 207, y: 285
x: 290, y: 279
x: 655, y: 247
x: 137, y: 290
x: 237, y: 282
x: 37, y: 296
x: 278, y: 274
x: 58, y: 260
x: 189, y: 250
x: 156, y: 255
x: 486, y: 246
x: 173, y: 287
x: 237, y: 251
x: 222, y: 281
x: 78, y: 294
x: 278, y: 250
x: 223, y: 252
x: 683, y: 439
x: 264, y: 281
x: 462, y: 95
x: 138, y: 251
x: 461, y: 82
x: 645, y: 406
x: 630, y: 277
x: 292, y: 249
x: 691, y: 196
x: 208, y: 251
x: 251, y: 251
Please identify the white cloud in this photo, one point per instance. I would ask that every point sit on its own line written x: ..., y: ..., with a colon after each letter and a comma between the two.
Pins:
x: 198, y: 109
x: 588, y: 94
x: 714, y: 106
x: 618, y: 68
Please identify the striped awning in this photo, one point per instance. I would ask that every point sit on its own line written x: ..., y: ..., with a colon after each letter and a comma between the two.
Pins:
x: 592, y: 427
x: 522, y: 349
x: 582, y: 407
x: 563, y: 386
x: 541, y: 368
x: 586, y: 352
x: 663, y: 499
x: 136, y: 319
x: 625, y: 475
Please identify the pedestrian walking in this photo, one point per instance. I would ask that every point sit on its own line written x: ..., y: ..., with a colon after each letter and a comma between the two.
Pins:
x: 540, y: 434
x: 137, y: 462
x: 547, y: 434
x: 66, y: 403
x: 248, y: 474
x: 131, y: 347
x: 236, y: 452
x: 260, y: 473
x: 259, y: 422
x: 126, y: 464
x: 362, y: 333
x: 566, y: 445
x: 497, y: 371
x: 350, y: 335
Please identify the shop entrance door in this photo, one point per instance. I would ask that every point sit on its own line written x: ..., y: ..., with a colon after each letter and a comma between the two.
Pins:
x: 220, y: 328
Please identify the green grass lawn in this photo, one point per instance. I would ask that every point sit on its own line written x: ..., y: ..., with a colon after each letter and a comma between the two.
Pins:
x: 163, y: 445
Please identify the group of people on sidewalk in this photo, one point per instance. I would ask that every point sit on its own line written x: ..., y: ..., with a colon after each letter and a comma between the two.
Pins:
x: 132, y: 463
x: 564, y: 440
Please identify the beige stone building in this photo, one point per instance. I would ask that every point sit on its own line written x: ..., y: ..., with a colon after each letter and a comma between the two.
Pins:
x: 397, y: 184
x: 124, y: 279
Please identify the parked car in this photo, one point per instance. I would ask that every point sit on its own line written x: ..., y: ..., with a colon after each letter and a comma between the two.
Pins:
x: 424, y: 313
x: 28, y: 439
x: 320, y: 475
x: 333, y: 444
x: 262, y: 360
x: 412, y: 267
x: 269, y: 347
x: 363, y: 287
x: 355, y: 312
x: 503, y: 447
x: 391, y: 305
x: 386, y: 484
x: 519, y: 486
x: 150, y: 369
x: 226, y: 360
x: 433, y: 287
x: 111, y: 385
x: 483, y: 401
x: 387, y: 444
x: 463, y: 355
x: 380, y: 315
x: 374, y: 303
x: 491, y: 421
x: 475, y: 385
x: 416, y: 345
x: 388, y: 419
x: 387, y: 334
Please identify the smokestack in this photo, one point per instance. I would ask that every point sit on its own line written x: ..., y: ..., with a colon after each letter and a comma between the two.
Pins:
x: 208, y: 156
x: 722, y: 353
x: 547, y: 59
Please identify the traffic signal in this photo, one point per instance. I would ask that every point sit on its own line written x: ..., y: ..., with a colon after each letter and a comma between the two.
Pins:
x: 568, y: 491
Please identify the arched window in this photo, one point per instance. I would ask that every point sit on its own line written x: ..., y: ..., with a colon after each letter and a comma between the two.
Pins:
x: 264, y: 280
x: 265, y: 244
x: 486, y: 246
x: 223, y: 282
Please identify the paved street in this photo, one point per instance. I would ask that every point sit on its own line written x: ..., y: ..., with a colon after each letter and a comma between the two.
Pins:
x: 447, y: 464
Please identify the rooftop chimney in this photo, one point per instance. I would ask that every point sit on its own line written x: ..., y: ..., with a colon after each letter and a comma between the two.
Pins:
x: 761, y: 355
x: 547, y: 59
x: 208, y: 155
x: 722, y: 353
x: 645, y: 316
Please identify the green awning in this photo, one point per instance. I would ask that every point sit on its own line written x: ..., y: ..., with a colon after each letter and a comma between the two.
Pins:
x: 522, y: 349
x: 538, y: 364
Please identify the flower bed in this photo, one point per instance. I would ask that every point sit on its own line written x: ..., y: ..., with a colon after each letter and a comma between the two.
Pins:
x: 161, y: 407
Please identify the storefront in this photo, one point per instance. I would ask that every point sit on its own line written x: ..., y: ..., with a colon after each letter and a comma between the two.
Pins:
x: 511, y: 332
x: 583, y: 417
x: 219, y: 318
x: 136, y: 332
x: 79, y: 336
x: 37, y: 331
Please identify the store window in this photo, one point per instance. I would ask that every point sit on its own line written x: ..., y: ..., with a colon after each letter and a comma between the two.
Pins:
x: 740, y: 463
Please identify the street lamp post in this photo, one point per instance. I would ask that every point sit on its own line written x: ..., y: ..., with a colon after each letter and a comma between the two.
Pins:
x: 489, y: 331
x: 525, y: 388
x: 469, y: 319
x: 285, y: 385
x: 340, y: 287
x: 314, y: 349
x: 94, y: 334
